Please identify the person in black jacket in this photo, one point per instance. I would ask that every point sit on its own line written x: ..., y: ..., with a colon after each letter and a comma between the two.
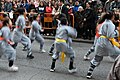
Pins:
x: 78, y: 18
x: 31, y: 6
x: 89, y: 23
x: 64, y: 10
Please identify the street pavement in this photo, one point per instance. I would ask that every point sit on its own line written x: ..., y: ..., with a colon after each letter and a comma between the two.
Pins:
x: 38, y: 68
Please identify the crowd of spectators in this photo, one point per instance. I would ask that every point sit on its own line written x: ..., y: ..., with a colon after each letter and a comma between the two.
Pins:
x: 86, y: 12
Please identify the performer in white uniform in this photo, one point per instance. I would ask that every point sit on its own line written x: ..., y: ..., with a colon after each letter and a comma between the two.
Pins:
x: 5, y: 45
x: 104, y: 46
x: 19, y: 36
x: 61, y: 44
x: 35, y: 32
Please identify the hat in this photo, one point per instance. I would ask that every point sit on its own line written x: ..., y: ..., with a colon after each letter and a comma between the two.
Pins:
x: 80, y: 7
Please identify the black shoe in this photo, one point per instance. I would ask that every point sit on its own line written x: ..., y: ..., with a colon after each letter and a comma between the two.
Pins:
x: 52, y: 69
x: 25, y: 49
x: 50, y: 53
x: 30, y: 56
x: 92, y: 50
x: 89, y: 75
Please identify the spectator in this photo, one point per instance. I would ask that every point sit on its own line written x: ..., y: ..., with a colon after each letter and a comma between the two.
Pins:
x: 55, y: 10
x: 75, y: 8
x: 81, y: 3
x: 79, y: 21
x: 48, y: 8
x: 89, y: 22
x: 36, y: 3
x: 41, y: 7
x: 15, y: 6
x: 117, y: 17
x: 41, y: 10
x: 108, y: 6
x: 32, y: 6
x: 26, y: 5
x: 18, y: 3
x: 70, y: 3
x: 99, y: 12
x: 103, y: 2
x: 8, y: 6
x: 99, y: 4
x: 115, y: 4
x: 64, y: 9
x: 2, y: 6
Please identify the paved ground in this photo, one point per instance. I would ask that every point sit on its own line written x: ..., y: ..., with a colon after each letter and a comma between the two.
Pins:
x: 38, y: 68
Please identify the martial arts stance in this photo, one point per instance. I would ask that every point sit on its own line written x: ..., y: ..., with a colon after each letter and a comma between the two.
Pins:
x: 53, y: 46
x: 101, y: 20
x: 35, y: 32
x: 18, y: 34
x: 5, y: 46
x: 61, y: 45
x: 58, y: 18
x: 104, y: 45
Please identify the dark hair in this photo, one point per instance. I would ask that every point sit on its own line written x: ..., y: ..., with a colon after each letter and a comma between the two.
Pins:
x: 63, y: 21
x: 102, y: 18
x: 35, y: 16
x: 62, y: 15
x: 5, y: 15
x: 89, y: 3
x: 5, y: 22
x: 21, y: 11
x: 59, y: 16
x: 62, y: 1
x: 109, y: 15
